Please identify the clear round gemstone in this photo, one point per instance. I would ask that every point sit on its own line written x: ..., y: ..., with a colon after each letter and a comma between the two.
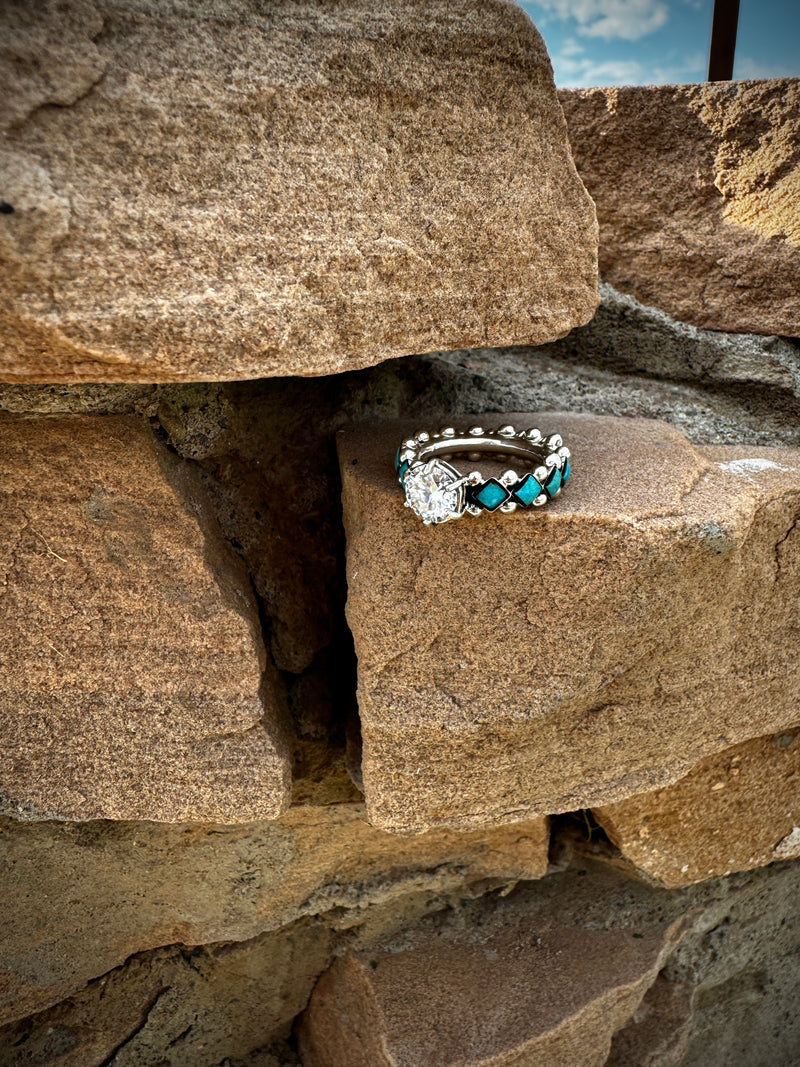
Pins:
x: 430, y: 494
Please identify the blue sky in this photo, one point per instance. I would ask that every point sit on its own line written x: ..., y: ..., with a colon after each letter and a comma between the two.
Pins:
x: 656, y: 42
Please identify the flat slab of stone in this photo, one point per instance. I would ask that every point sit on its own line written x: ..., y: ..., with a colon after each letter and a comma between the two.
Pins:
x: 532, y: 979
x: 735, y: 810
x: 295, y: 190
x: 626, y: 335
x: 203, y: 1004
x: 570, y: 656
x: 143, y: 886
x: 133, y: 680
x: 697, y: 190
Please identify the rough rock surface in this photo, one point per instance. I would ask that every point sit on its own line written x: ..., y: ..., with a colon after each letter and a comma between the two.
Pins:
x: 697, y: 190
x: 624, y: 335
x: 537, y: 977
x: 134, y: 681
x: 738, y: 969
x: 256, y: 442
x: 140, y: 886
x: 734, y: 975
x: 230, y: 192
x: 658, y: 1032
x: 693, y: 553
x: 737, y: 809
x: 185, y: 1007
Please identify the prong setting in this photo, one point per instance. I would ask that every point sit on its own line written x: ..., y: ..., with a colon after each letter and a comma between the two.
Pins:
x: 438, y: 492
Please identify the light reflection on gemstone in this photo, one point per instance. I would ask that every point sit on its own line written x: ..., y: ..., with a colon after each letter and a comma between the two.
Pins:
x: 429, y: 491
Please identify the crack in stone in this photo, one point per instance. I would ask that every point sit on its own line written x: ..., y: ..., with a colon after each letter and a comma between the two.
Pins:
x: 778, y: 544
x: 149, y: 1007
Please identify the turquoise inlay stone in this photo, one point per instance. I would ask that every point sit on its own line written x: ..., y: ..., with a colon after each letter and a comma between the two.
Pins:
x: 553, y: 483
x: 397, y: 460
x: 566, y: 472
x: 527, y: 490
x: 491, y: 495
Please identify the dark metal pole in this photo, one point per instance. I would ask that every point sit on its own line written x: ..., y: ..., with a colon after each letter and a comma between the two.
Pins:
x: 723, y: 40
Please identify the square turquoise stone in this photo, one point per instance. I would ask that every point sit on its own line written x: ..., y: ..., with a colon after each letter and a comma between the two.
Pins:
x: 566, y: 472
x: 491, y: 495
x: 527, y: 490
x: 553, y: 483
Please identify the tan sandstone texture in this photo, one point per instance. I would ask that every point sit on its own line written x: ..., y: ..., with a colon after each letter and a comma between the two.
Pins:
x: 735, y: 810
x: 140, y: 886
x: 536, y: 978
x: 133, y: 674
x: 697, y: 190
x: 239, y: 191
x: 657, y: 1034
x: 570, y: 656
x: 203, y: 1006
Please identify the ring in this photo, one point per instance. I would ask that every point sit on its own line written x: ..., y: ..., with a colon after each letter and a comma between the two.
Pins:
x: 437, y: 492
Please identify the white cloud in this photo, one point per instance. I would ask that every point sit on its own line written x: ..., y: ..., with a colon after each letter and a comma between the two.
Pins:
x: 571, y: 47
x: 692, y: 69
x: 628, y: 19
x: 745, y: 67
x: 583, y: 72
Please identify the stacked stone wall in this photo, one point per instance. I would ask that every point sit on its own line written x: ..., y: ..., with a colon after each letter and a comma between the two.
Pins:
x: 287, y: 777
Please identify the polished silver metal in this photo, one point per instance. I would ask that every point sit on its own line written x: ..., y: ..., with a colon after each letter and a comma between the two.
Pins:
x: 437, y: 491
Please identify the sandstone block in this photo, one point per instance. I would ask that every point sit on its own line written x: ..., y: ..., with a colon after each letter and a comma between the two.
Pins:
x: 737, y: 809
x: 626, y: 335
x: 287, y: 191
x: 142, y: 886
x: 697, y: 190
x: 657, y: 1034
x: 133, y: 679
x: 532, y: 979
x: 570, y: 656
x: 185, y: 1007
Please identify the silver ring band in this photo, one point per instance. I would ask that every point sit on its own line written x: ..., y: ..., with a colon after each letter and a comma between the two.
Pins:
x: 437, y: 492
